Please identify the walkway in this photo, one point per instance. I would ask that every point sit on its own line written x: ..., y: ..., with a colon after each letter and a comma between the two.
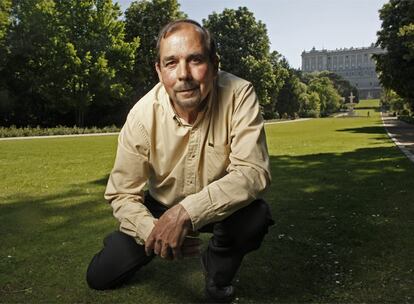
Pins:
x: 401, y: 133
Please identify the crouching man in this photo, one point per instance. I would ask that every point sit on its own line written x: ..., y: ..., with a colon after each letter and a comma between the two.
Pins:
x: 197, y: 140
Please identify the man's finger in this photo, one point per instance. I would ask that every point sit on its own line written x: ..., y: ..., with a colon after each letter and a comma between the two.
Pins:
x: 149, y: 245
x: 158, y: 247
x: 164, y: 251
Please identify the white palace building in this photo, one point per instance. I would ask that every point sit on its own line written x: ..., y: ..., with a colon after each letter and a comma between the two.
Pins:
x: 354, y: 64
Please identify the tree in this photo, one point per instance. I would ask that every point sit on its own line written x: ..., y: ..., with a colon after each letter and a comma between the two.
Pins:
x: 5, y: 9
x: 5, y: 20
x: 310, y: 105
x: 144, y: 19
x: 391, y: 101
x: 244, y: 50
x: 328, y: 96
x: 343, y: 86
x: 396, y: 66
x: 288, y: 102
x: 67, y: 57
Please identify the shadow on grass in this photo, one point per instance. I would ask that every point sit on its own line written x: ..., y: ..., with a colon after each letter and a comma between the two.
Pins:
x: 365, y: 130
x: 343, y: 223
x: 340, y: 218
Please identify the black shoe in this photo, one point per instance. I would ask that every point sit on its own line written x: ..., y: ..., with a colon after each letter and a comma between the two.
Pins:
x: 215, y: 293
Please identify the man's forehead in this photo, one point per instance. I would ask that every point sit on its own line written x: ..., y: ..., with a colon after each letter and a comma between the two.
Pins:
x: 187, y: 39
x: 188, y: 28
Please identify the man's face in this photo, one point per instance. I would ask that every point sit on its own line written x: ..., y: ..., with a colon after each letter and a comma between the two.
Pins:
x: 184, y: 68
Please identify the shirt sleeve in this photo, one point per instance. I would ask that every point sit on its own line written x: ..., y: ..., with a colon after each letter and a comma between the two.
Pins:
x: 248, y: 173
x: 125, y: 188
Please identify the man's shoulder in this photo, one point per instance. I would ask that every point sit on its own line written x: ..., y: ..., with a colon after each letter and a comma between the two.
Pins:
x: 150, y: 99
x: 148, y: 106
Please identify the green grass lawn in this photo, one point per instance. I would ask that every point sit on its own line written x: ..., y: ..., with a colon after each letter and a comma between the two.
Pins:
x: 342, y: 197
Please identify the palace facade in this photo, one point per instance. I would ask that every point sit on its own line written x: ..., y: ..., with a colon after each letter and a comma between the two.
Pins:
x: 354, y: 64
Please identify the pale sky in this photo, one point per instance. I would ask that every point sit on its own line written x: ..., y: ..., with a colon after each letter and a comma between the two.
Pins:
x: 297, y: 25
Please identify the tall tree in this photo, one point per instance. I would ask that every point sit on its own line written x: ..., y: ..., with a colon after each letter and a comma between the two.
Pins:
x: 67, y: 56
x: 5, y: 10
x: 288, y: 102
x: 328, y: 95
x: 343, y: 86
x: 396, y: 66
x: 5, y: 20
x: 244, y: 50
x: 310, y: 104
x: 144, y: 19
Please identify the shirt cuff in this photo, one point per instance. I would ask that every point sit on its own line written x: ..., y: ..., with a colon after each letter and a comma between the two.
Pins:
x: 140, y: 228
x: 198, y: 207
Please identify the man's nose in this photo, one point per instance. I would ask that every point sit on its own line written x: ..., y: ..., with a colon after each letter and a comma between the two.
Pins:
x: 183, y: 71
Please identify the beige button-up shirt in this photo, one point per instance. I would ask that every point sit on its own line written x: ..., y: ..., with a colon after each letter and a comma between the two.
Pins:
x: 212, y: 168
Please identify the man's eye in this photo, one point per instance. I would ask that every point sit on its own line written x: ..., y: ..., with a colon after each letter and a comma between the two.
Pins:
x: 170, y: 63
x: 197, y: 60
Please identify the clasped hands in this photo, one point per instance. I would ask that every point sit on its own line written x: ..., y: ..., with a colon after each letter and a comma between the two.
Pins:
x: 171, y: 236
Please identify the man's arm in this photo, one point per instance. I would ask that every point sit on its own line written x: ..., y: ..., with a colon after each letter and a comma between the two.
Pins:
x: 248, y: 172
x: 127, y: 180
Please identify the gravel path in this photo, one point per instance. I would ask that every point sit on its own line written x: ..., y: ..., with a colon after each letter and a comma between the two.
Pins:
x: 401, y: 133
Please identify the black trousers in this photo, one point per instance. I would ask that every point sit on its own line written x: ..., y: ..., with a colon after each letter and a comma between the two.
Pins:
x: 234, y: 237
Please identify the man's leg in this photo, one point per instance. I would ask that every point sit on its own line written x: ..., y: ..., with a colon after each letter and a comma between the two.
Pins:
x: 234, y: 237
x: 117, y: 262
x: 121, y: 256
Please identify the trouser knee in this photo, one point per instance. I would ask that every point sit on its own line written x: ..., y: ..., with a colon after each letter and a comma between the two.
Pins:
x: 246, y: 228
x: 116, y: 263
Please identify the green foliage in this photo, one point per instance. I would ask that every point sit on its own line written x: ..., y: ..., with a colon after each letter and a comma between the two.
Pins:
x: 310, y: 105
x: 144, y: 19
x: 68, y: 60
x: 328, y: 96
x: 391, y: 101
x: 407, y: 119
x: 343, y: 86
x: 13, y: 131
x: 290, y: 95
x: 396, y: 66
x: 244, y: 50
x: 5, y: 9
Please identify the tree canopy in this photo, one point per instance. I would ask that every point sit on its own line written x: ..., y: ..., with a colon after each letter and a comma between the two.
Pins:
x: 67, y: 62
x: 244, y: 50
x: 144, y: 19
x: 396, y: 66
x: 65, y: 57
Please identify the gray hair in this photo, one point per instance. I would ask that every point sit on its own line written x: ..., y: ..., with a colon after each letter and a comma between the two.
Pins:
x: 208, y: 41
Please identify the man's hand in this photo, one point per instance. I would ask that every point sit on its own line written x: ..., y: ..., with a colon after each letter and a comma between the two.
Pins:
x: 168, y: 237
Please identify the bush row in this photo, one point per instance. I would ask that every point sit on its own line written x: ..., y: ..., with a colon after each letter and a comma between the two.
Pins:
x: 13, y: 131
x: 406, y: 118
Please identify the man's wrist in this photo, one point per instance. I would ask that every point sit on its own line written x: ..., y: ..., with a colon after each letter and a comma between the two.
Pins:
x: 187, y: 221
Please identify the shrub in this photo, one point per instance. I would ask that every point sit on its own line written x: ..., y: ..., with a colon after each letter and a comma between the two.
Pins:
x: 59, y: 130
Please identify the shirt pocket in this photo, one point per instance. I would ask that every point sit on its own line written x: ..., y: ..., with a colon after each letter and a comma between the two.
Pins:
x: 217, y: 161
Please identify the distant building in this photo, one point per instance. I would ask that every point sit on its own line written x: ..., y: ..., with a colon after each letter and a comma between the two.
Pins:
x: 354, y: 64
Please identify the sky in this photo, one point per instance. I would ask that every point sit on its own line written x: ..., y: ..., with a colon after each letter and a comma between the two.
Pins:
x: 297, y: 25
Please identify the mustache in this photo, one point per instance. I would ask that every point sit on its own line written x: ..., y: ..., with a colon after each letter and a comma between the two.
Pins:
x: 186, y: 86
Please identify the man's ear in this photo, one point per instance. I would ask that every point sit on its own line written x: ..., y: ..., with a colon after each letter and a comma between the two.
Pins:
x: 158, y: 69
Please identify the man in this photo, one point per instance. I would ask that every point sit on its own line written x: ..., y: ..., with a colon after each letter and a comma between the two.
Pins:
x: 197, y: 140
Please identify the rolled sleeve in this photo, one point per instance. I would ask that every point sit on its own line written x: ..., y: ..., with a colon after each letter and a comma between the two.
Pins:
x: 125, y: 188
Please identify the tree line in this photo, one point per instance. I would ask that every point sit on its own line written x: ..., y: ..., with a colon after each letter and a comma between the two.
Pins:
x: 84, y: 63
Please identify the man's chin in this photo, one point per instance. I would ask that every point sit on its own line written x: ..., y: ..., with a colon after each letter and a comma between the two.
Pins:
x: 190, y: 103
